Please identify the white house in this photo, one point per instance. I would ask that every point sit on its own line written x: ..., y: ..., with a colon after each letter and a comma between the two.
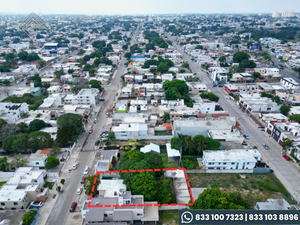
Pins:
x: 151, y: 148
x: 130, y: 131
x: 289, y: 83
x: 53, y: 89
x: 38, y: 160
x: 235, y: 159
x: 173, y: 154
x: 11, y: 112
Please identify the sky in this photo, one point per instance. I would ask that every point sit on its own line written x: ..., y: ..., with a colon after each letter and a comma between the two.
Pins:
x: 95, y: 7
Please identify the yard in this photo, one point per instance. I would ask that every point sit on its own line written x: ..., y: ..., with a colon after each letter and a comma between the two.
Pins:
x: 168, y: 217
x: 162, y: 133
x: 2, y: 183
x: 254, y: 187
x: 164, y: 156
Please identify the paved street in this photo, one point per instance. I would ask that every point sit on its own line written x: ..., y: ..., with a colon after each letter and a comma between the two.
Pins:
x: 60, y: 212
x: 285, y: 171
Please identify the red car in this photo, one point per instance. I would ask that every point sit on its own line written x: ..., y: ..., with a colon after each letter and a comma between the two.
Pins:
x: 286, y: 157
x: 73, y: 206
x: 83, y: 180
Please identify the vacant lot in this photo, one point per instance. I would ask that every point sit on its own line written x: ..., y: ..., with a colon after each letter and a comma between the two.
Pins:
x: 255, y: 187
x: 168, y: 217
x: 167, y: 164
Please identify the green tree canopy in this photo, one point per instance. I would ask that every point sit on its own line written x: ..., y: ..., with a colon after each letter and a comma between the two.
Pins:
x: 240, y: 56
x: 20, y: 143
x: 211, y: 96
x: 215, y: 199
x: 39, y: 140
x: 144, y: 184
x: 74, y: 122
x: 295, y: 117
x: 95, y: 84
x: 37, y: 124
x: 284, y: 109
x: 7, y: 143
x: 28, y: 217
x: 89, y: 183
x: 52, y: 162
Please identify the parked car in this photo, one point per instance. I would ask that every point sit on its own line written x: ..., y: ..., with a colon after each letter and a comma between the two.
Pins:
x: 246, y: 136
x: 91, y: 131
x: 105, y: 132
x: 97, y: 142
x: 102, y: 99
x: 286, y: 157
x: 95, y: 120
x: 79, y: 191
x: 73, y: 206
x: 36, y: 204
x: 266, y: 147
x: 214, y: 85
x: 86, y: 170
x: 83, y: 180
x: 75, y: 166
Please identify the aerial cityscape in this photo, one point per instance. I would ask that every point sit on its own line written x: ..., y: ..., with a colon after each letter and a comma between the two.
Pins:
x: 144, y: 117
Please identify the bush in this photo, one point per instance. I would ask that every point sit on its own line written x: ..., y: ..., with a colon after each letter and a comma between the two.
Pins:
x: 62, y: 181
x: 33, y: 107
x: 28, y: 217
x: 52, y: 162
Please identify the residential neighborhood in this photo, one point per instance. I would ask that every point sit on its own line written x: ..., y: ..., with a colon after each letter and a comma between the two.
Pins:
x: 129, y: 118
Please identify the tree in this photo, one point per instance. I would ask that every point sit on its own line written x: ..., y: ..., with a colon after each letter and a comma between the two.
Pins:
x: 222, y: 58
x: 70, y: 71
x: 111, y: 136
x: 211, y: 96
x: 212, y: 144
x: 38, y: 84
x: 55, y: 149
x: 28, y: 217
x: 39, y: 140
x: 200, y: 143
x: 42, y: 63
x: 2, y: 122
x: 240, y: 56
x: 81, y: 52
x: 92, y: 71
x: 33, y: 107
x: 186, y: 65
x: 295, y: 117
x: 164, y: 191
x: 166, y: 117
x: 52, y: 162
x: 23, y: 55
x: 37, y: 124
x: 215, y: 199
x: 3, y: 164
x: 95, y: 84
x: 74, y: 122
x: 7, y: 143
x: 89, y: 183
x: 59, y: 73
x: 6, y: 82
x: 80, y: 35
x: 286, y: 143
x: 18, y: 161
x: 20, y: 143
x: 63, y: 135
x: 144, y: 184
x: 284, y: 109
x: 58, y: 188
x: 127, y: 55
x: 256, y: 75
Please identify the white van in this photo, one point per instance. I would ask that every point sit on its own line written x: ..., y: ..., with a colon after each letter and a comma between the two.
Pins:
x: 86, y: 170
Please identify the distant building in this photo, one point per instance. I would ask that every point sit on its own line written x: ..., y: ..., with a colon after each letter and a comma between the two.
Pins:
x: 275, y: 15
x: 273, y: 204
x: 287, y: 14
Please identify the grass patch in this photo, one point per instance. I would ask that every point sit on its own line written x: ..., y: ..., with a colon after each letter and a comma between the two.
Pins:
x: 166, y: 162
x: 256, y: 186
x: 168, y: 217
x: 162, y: 133
x: 2, y: 183
x: 61, y: 106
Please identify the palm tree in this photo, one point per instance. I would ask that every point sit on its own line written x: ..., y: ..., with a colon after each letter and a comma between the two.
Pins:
x: 180, y: 143
x: 200, y: 143
x: 189, y: 143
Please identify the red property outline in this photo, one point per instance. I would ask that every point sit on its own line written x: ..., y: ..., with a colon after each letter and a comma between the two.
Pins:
x: 141, y: 205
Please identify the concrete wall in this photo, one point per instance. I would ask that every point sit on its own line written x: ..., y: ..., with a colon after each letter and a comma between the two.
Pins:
x: 149, y: 137
x: 6, y: 174
x: 261, y: 170
x: 229, y: 171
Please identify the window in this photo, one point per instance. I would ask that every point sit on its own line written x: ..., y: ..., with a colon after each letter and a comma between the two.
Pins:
x: 37, y: 163
x: 224, y: 163
x: 2, y: 203
x: 219, y: 163
x: 232, y: 163
x: 139, y: 214
x: 247, y: 163
x: 268, y: 108
x: 105, y: 215
x: 218, y: 168
x: 15, y: 203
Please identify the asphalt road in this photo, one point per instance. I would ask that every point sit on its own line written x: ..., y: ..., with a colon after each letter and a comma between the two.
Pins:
x: 285, y: 171
x: 60, y: 212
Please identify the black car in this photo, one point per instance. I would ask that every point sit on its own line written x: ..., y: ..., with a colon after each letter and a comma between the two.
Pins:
x: 97, y: 142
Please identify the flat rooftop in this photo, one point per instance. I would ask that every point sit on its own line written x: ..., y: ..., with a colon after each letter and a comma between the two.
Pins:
x: 233, y: 155
x: 110, y: 187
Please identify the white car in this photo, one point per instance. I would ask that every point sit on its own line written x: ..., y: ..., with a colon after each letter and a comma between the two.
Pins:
x: 79, y: 190
x: 36, y: 204
x: 75, y: 166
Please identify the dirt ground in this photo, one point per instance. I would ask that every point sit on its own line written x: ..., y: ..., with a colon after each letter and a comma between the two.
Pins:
x: 254, y: 187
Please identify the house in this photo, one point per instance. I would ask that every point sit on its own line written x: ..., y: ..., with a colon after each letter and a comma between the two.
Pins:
x: 273, y: 204
x: 289, y: 83
x: 36, y: 91
x: 25, y: 186
x: 173, y: 154
x: 38, y: 160
x: 231, y: 88
x: 87, y: 96
x: 107, y: 159
x: 151, y: 148
x: 235, y: 159
x: 53, y: 89
x: 12, y: 112
x: 121, y: 207
x: 281, y: 130
x: 130, y: 131
x: 194, y: 126
x: 53, y: 100
x: 50, y: 130
x: 51, y: 81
